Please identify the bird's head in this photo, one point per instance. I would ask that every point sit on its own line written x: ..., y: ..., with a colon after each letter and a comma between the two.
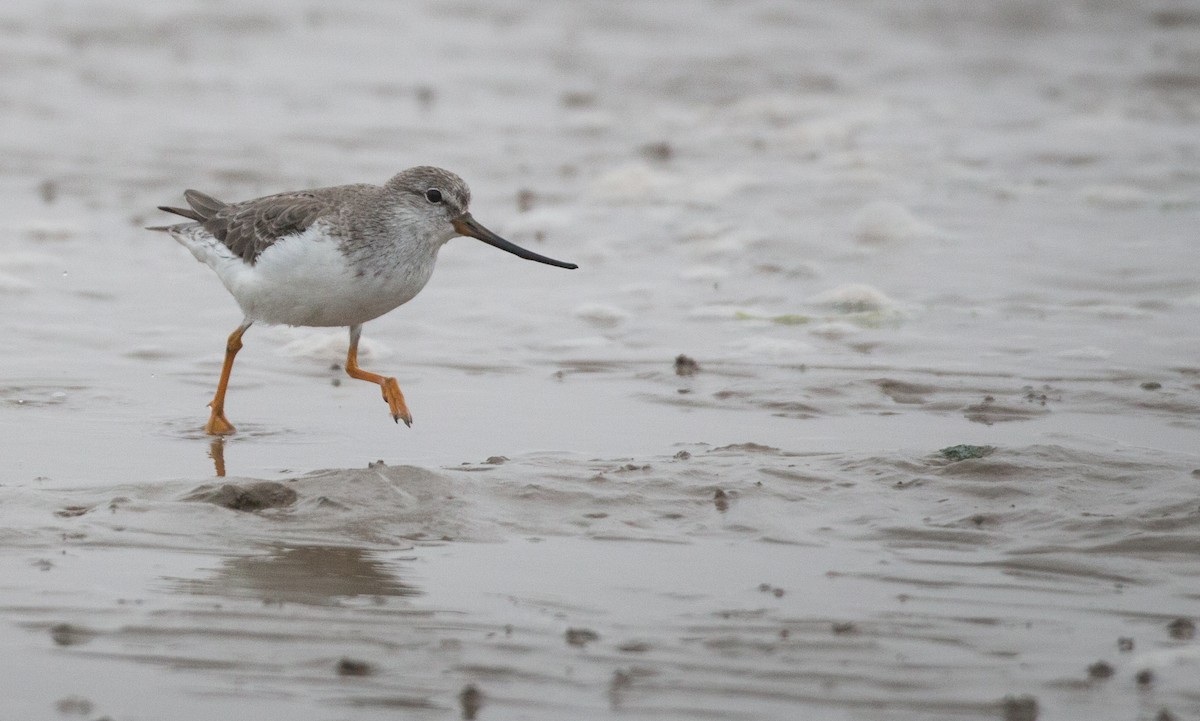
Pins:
x: 438, y: 200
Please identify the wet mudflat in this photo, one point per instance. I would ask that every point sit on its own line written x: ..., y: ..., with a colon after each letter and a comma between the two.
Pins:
x: 930, y: 451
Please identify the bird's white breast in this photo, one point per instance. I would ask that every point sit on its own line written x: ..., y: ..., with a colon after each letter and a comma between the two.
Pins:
x: 306, y: 279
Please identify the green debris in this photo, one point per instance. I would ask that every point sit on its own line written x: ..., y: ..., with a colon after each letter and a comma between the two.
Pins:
x: 791, y: 319
x: 865, y: 319
x: 785, y: 319
x: 964, y: 451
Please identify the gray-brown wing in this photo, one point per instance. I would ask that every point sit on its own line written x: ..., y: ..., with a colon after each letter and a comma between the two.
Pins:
x: 251, y: 227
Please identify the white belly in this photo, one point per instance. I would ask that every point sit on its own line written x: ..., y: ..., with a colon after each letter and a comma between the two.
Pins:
x: 306, y: 280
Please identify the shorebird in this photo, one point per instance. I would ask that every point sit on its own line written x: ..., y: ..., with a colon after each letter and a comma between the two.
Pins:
x: 337, y: 256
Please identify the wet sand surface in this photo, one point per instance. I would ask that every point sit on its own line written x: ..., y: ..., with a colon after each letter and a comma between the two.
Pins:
x: 930, y: 450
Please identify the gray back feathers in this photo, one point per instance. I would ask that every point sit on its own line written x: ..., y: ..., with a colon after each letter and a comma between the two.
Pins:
x: 250, y: 227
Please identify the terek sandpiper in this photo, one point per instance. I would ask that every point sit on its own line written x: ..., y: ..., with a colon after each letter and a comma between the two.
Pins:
x: 337, y: 256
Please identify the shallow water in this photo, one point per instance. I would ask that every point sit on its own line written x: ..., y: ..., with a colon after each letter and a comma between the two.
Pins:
x: 879, y: 231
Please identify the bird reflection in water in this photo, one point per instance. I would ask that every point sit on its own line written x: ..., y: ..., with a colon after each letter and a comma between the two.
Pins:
x: 216, y: 451
x: 313, y: 575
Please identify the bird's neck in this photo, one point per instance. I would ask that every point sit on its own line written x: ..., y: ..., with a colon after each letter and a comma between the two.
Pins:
x: 390, y: 235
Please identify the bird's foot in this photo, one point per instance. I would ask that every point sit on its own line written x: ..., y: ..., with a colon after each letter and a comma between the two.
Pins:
x: 218, y: 424
x: 395, y: 401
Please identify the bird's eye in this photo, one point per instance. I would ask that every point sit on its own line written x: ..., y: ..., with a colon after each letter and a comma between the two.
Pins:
x: 433, y: 195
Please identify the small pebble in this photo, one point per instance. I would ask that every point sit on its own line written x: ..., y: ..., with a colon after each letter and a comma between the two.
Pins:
x: 1144, y: 678
x: 581, y: 636
x: 471, y: 700
x: 1182, y: 628
x: 660, y: 152
x: 620, y: 679
x: 1124, y: 644
x: 685, y: 365
x: 577, y: 99
x: 74, y: 705
x: 425, y: 97
x: 1100, y: 669
x: 65, y: 634
x: 965, y: 451
x: 353, y: 667
x: 49, y: 191
x: 1020, y: 708
x: 525, y: 200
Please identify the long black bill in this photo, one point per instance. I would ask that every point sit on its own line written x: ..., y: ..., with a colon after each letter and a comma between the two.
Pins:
x: 466, y: 225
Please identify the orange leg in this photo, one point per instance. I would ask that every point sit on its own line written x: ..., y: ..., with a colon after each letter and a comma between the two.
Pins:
x: 218, y: 424
x: 391, y: 389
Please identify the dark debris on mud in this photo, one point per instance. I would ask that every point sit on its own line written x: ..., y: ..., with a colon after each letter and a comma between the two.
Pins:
x: 257, y: 496
x: 686, y: 365
x: 965, y: 451
x: 353, y: 667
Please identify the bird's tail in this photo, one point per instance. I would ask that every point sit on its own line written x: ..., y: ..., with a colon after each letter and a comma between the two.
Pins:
x: 203, y: 207
x: 189, y: 214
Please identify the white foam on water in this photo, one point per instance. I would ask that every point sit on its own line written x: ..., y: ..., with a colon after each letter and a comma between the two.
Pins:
x: 703, y: 273
x: 883, y: 222
x: 601, y: 315
x: 638, y: 183
x: 856, y: 298
x: 324, y: 345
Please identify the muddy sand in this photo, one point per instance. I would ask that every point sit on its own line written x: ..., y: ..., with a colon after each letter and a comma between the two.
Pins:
x: 876, y: 394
